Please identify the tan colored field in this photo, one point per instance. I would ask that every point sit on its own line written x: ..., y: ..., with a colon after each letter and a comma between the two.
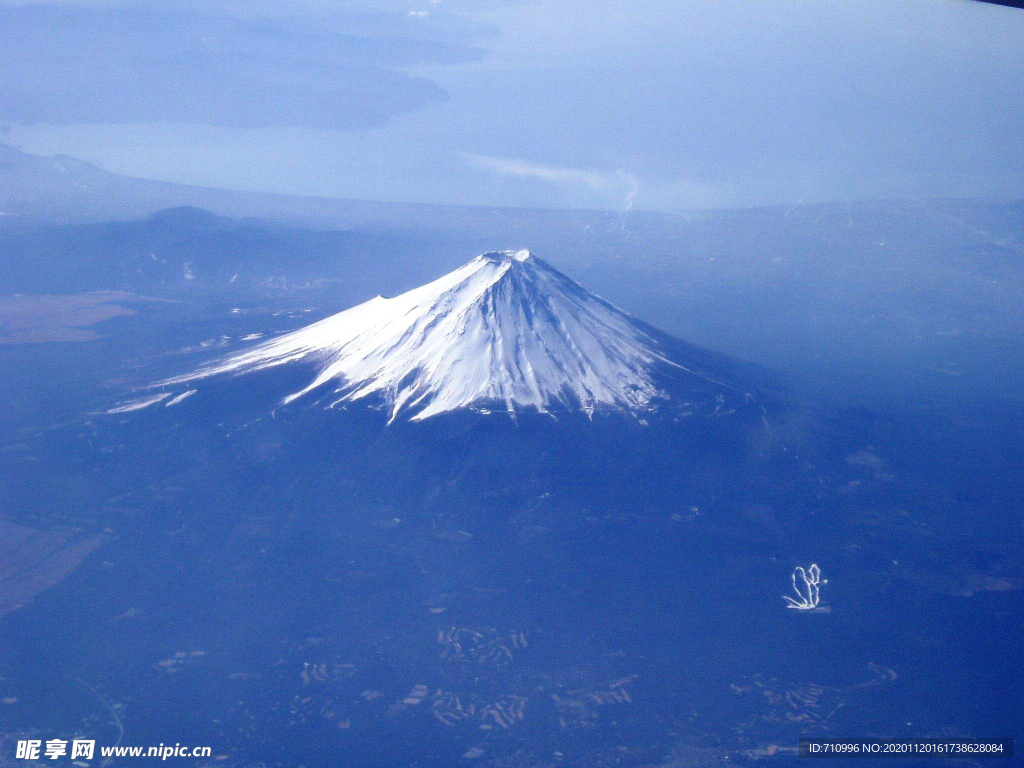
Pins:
x: 33, y: 319
x: 32, y: 561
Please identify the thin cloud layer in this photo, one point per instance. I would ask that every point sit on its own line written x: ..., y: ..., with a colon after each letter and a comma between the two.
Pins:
x: 572, y: 104
x: 615, y: 183
x: 65, y: 65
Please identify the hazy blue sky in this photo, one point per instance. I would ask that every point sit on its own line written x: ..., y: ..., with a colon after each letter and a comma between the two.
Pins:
x: 574, y: 103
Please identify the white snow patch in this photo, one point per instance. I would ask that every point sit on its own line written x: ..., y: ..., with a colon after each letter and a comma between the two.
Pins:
x: 179, y: 398
x: 138, y: 405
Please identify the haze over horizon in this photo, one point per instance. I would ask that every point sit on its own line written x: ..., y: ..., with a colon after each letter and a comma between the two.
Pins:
x: 672, y: 106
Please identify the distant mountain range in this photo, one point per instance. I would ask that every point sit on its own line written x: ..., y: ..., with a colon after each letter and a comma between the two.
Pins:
x: 64, y: 190
x: 189, y: 251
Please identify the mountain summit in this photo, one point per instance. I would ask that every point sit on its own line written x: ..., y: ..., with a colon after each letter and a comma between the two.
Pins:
x: 506, y: 331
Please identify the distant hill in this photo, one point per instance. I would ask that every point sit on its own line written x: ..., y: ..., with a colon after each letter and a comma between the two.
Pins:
x: 61, y: 189
x: 187, y: 251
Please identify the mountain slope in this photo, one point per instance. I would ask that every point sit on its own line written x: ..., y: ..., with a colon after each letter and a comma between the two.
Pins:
x: 505, y: 331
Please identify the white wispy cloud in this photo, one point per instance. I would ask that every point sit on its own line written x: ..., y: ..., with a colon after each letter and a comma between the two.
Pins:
x: 618, y: 183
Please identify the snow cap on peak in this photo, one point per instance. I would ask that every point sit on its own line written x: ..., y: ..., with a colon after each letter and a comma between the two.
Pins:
x: 500, y: 257
x: 504, y: 331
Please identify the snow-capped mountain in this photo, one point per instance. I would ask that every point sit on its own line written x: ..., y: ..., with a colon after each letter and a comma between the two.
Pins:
x: 505, y: 331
